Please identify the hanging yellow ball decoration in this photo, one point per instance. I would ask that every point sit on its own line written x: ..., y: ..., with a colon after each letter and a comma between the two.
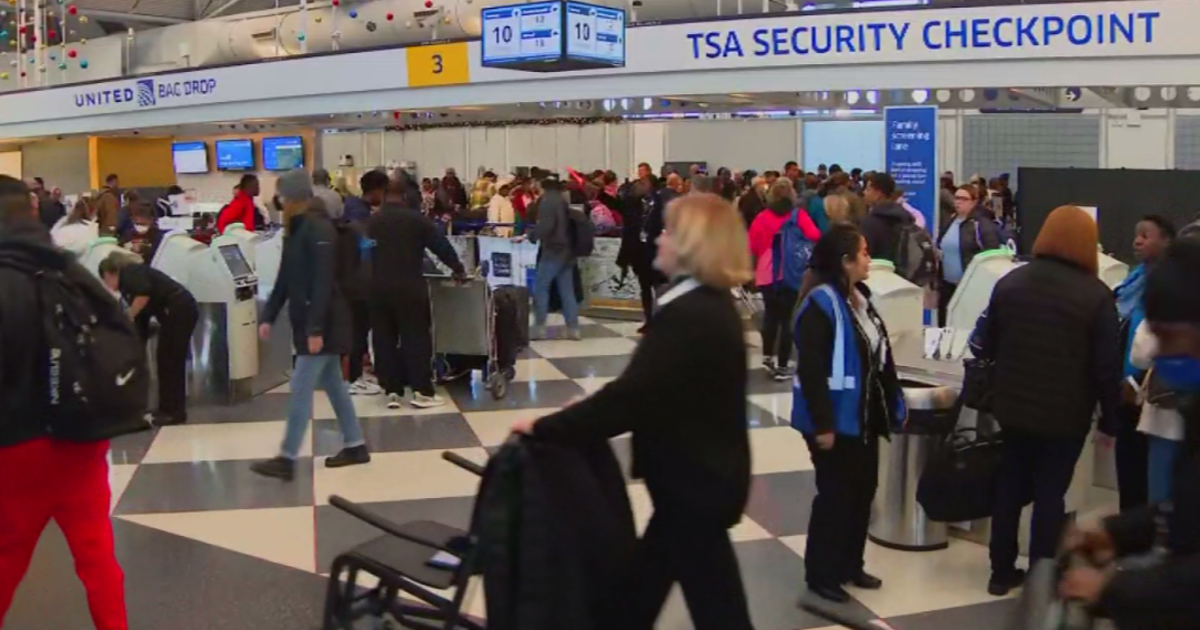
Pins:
x: 319, y: 19
x: 83, y: 19
x: 83, y: 42
x: 3, y: 76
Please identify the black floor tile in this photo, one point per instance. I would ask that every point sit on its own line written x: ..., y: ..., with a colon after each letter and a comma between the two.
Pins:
x: 782, y: 502
x: 997, y: 615
x: 337, y: 531
x: 758, y: 381
x: 170, y: 582
x: 399, y: 433
x: 130, y: 449
x: 264, y: 408
x: 223, y: 485
x: 583, y: 367
x: 524, y: 395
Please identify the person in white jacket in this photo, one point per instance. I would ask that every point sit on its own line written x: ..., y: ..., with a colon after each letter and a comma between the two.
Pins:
x: 74, y: 231
x: 501, y: 210
x: 1160, y: 420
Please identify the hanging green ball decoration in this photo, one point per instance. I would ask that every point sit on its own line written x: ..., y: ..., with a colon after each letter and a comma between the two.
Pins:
x: 62, y: 66
x: 83, y: 64
x: 301, y: 37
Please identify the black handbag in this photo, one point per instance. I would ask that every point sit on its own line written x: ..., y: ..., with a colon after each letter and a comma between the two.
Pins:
x: 977, y: 384
x: 958, y: 482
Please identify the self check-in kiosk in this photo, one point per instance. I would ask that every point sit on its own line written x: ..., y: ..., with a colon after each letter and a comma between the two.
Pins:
x: 264, y: 252
x: 901, y: 304
x: 100, y: 248
x: 225, y: 343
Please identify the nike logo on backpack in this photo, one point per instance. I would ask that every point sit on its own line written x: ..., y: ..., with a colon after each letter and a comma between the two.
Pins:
x: 122, y: 379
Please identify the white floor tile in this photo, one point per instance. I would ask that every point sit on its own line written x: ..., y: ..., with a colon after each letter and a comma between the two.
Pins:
x: 493, y: 427
x: 282, y: 535
x: 921, y: 582
x: 376, y: 406
x: 399, y: 477
x: 119, y: 476
x: 556, y: 319
x: 778, y: 449
x: 538, y: 370
x: 625, y: 329
x: 592, y: 384
x: 562, y: 349
x: 216, y: 442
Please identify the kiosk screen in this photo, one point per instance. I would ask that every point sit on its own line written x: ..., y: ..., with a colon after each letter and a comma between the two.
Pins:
x: 235, y: 260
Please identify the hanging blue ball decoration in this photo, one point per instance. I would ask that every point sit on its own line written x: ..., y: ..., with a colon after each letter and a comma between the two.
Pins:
x: 83, y: 64
x: 301, y: 37
x: 53, y: 57
x: 353, y: 13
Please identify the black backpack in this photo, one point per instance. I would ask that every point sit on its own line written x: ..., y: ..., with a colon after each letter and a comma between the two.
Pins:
x: 580, y: 232
x: 93, y: 378
x: 916, y: 258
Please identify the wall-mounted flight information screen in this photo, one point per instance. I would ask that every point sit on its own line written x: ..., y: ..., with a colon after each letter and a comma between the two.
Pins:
x: 596, y: 33
x: 553, y: 36
x: 522, y: 33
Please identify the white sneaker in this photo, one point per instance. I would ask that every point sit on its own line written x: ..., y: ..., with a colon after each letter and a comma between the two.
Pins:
x: 393, y: 401
x: 422, y: 401
x: 363, y: 387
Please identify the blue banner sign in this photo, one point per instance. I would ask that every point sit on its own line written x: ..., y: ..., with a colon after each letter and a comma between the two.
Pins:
x: 911, y: 157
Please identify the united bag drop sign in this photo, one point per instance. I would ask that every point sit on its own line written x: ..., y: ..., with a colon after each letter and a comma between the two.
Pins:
x: 145, y: 93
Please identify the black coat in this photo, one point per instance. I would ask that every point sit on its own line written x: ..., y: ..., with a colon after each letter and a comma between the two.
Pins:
x: 1163, y: 596
x: 308, y: 285
x: 977, y: 233
x: 881, y: 229
x: 1051, y: 328
x: 683, y: 396
x: 556, y: 536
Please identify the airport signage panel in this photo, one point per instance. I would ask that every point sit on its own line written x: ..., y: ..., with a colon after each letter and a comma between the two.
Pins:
x: 911, y: 157
x: 595, y: 33
x: 522, y: 33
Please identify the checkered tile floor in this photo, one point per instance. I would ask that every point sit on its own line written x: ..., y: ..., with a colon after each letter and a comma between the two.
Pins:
x: 207, y: 545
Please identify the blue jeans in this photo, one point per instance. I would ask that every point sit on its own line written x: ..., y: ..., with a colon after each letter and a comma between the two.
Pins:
x: 1162, y: 467
x: 324, y: 371
x: 560, y: 272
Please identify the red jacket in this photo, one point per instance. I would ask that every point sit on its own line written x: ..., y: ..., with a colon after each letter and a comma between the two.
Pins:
x: 240, y: 209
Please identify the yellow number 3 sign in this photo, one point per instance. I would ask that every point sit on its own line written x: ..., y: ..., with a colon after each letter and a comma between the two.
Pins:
x: 438, y: 64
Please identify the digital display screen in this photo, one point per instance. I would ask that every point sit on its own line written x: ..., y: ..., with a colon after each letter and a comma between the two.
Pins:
x: 283, y: 154
x: 235, y: 261
x: 235, y: 155
x: 522, y: 32
x: 190, y: 157
x: 595, y: 33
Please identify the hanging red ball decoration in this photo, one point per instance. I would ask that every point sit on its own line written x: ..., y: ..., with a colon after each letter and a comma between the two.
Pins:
x: 52, y: 34
x: 428, y: 4
x: 72, y: 9
x: 21, y: 30
x: 337, y: 3
x: 396, y: 115
x: 71, y: 54
x: 390, y: 17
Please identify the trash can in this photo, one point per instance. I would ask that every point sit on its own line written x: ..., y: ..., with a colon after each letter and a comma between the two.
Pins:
x: 897, y: 520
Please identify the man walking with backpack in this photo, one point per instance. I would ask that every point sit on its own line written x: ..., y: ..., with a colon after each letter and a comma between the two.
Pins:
x: 53, y: 466
x: 893, y: 235
x: 556, y: 261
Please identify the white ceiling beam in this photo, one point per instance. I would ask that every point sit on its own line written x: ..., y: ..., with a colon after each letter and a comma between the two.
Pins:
x: 131, y: 18
x: 221, y: 9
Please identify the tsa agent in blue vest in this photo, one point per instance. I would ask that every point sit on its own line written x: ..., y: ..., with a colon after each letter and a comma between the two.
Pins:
x: 846, y: 396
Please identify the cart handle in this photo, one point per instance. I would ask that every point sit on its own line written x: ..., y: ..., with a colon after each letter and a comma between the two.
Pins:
x: 462, y: 462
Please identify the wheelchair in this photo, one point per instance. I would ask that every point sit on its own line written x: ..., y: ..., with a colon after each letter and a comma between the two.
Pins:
x: 410, y: 560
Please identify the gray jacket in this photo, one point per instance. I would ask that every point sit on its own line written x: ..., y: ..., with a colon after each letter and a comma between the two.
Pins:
x: 552, y: 226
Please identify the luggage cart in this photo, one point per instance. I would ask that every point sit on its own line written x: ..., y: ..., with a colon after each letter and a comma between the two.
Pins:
x: 464, y: 323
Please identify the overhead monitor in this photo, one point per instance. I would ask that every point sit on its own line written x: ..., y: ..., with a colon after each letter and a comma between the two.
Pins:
x: 190, y: 157
x: 553, y: 36
x: 283, y: 153
x: 596, y: 33
x: 235, y: 155
x: 522, y: 33
x: 236, y: 262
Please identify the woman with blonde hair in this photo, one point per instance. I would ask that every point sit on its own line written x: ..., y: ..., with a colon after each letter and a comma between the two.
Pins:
x: 684, y: 398
x: 1051, y: 333
x: 74, y: 231
x: 837, y: 210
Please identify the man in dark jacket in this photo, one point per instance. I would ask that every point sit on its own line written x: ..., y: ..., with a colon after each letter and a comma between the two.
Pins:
x: 42, y: 477
x: 321, y: 327
x: 1162, y: 594
x: 399, y: 294
x: 881, y: 226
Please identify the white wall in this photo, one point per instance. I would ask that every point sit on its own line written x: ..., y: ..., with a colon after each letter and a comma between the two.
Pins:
x: 1130, y: 139
x: 500, y: 149
x: 61, y: 163
x: 10, y: 164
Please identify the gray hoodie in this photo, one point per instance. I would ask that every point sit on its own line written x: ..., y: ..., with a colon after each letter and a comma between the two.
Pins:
x: 552, y: 226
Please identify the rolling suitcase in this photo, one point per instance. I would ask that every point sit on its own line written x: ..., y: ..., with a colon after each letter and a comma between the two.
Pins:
x: 511, y: 304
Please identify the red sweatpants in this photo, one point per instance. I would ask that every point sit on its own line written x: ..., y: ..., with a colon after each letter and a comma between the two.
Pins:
x: 45, y: 479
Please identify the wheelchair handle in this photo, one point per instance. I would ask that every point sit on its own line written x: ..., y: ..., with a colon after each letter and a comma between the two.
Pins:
x: 463, y: 463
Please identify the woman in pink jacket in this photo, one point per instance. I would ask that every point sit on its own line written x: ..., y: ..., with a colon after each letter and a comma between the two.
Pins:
x: 778, y: 298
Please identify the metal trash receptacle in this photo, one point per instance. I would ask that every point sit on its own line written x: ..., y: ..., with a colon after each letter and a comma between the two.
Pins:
x: 897, y: 520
